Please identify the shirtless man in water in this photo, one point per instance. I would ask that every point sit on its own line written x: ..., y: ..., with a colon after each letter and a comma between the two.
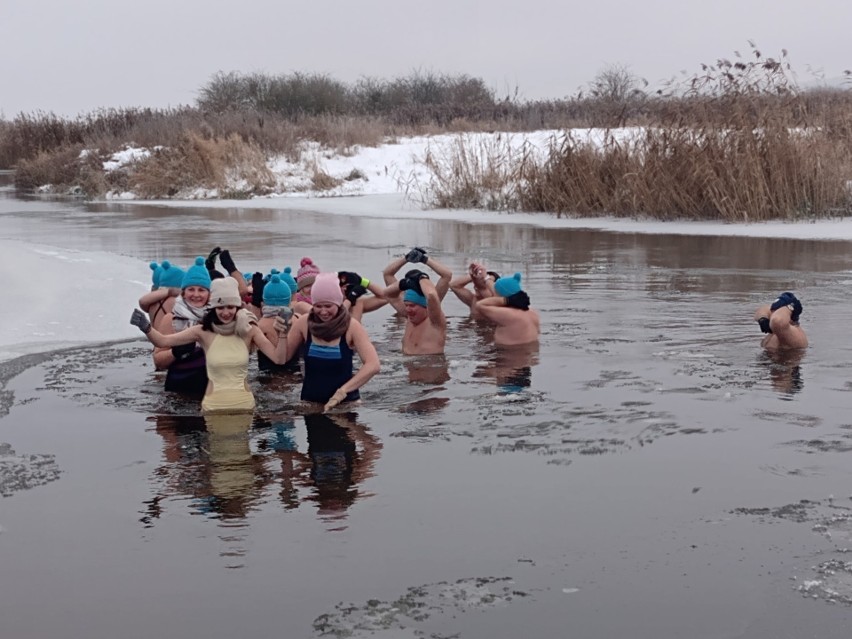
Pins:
x: 425, y: 322
x: 510, y: 310
x: 483, y: 286
x: 780, y: 322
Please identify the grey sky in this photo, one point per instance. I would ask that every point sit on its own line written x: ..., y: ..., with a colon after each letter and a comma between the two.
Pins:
x: 72, y: 56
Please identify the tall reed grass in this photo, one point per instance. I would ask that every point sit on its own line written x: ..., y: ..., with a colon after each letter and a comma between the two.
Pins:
x: 739, y: 142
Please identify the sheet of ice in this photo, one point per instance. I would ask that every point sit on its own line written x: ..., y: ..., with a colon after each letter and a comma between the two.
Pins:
x: 62, y: 297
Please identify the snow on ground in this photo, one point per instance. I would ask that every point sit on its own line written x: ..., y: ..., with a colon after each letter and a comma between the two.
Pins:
x: 394, y: 179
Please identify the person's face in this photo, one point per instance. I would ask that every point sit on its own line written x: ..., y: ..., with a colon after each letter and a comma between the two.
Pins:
x: 306, y: 290
x: 325, y: 311
x: 414, y: 312
x: 226, y: 313
x: 196, y: 296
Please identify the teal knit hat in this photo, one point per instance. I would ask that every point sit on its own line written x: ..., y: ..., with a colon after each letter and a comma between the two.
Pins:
x: 414, y: 297
x: 171, y: 276
x: 197, y: 275
x: 155, y: 274
x: 507, y: 286
x: 288, y: 279
x: 276, y: 292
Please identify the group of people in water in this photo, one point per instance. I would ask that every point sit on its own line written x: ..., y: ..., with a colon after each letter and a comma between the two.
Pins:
x: 204, y: 323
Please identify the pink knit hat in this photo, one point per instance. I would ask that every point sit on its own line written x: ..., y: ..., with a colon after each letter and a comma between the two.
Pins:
x: 307, y: 273
x: 326, y: 289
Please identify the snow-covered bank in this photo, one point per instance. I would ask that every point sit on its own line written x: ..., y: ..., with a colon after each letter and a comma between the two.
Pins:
x: 392, y: 180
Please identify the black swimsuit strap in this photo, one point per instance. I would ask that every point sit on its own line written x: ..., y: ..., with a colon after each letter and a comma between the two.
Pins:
x: 160, y: 307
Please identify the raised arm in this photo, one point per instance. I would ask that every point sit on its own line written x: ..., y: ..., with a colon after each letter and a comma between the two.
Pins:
x: 444, y: 276
x: 389, y: 274
x: 495, y: 309
x: 458, y: 286
x: 433, y: 303
x: 160, y: 295
x: 227, y: 263
x: 392, y: 294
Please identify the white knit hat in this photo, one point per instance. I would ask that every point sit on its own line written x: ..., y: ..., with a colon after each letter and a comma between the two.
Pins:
x: 225, y: 291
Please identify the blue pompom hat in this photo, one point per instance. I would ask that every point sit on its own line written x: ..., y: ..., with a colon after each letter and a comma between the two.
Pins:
x: 507, y: 286
x: 276, y: 292
x: 197, y: 275
x: 155, y: 274
x: 171, y: 276
x: 288, y: 279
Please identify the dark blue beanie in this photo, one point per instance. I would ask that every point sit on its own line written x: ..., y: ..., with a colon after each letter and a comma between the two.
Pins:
x: 787, y: 299
x: 197, y: 275
x: 171, y: 276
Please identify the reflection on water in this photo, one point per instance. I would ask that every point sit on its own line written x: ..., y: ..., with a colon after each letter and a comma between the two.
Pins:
x: 785, y: 370
x: 427, y: 379
x: 230, y: 465
x: 510, y: 367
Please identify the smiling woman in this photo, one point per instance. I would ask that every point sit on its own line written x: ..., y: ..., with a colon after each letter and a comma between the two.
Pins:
x: 226, y: 334
x: 328, y: 337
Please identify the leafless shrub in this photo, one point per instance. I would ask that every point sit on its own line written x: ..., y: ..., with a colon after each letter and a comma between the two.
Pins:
x: 58, y: 168
x: 322, y: 181
x: 229, y: 164
x: 737, y: 142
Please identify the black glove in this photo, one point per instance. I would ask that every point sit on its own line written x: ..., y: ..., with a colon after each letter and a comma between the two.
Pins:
x: 348, y: 278
x: 411, y: 281
x: 415, y: 255
x: 226, y: 262
x: 183, y: 351
x: 519, y: 300
x: 210, y: 262
x: 354, y: 292
x: 763, y: 322
x: 257, y: 285
x: 140, y: 321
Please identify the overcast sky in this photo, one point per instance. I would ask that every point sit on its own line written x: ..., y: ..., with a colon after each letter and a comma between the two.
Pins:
x: 73, y: 56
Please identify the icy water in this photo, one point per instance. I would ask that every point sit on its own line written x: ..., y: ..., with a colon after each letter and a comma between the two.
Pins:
x: 647, y: 473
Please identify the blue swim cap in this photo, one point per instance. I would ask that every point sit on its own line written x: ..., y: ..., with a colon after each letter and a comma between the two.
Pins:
x: 414, y: 297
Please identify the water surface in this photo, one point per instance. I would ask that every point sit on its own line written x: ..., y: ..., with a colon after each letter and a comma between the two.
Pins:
x: 647, y: 472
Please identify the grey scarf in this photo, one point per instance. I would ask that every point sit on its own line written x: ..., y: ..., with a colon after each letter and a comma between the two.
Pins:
x: 184, y: 315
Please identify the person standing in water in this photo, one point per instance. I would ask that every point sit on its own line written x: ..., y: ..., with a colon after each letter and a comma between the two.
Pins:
x: 425, y: 322
x: 483, y: 286
x: 780, y: 322
x: 275, y: 297
x: 516, y: 323
x: 328, y: 337
x: 226, y: 334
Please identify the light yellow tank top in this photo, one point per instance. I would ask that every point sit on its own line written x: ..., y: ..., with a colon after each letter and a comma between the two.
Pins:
x: 227, y: 369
